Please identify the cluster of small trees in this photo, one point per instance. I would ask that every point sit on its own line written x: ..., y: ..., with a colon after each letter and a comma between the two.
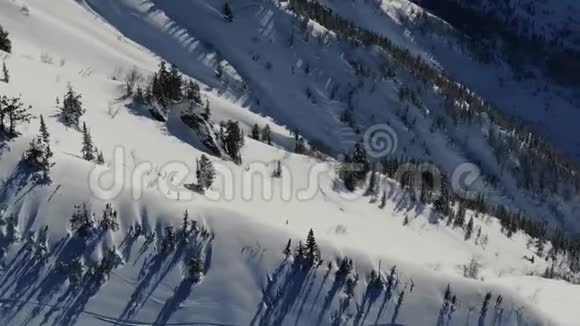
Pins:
x: 264, y: 134
x: 354, y: 168
x: 165, y: 87
x: 308, y: 254
x: 83, y: 222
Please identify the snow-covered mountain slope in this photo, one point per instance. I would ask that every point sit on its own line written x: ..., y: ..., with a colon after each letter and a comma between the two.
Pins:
x: 307, y: 81
x: 247, y: 279
x: 523, y: 92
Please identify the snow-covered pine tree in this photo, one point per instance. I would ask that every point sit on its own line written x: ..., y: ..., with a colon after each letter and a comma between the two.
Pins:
x: 207, y: 110
x: 312, y: 251
x: 227, y: 12
x: 109, y: 220
x: 300, y: 146
x: 185, y: 226
x: 345, y: 267
x: 88, y: 150
x: 300, y: 253
x: 72, y: 109
x: 195, y: 267
x: 193, y: 92
x: 15, y: 111
x: 82, y: 221
x: 360, y: 161
x: 255, y: 134
x: 469, y: 229
x: 100, y: 158
x: 288, y: 249
x: 278, y: 171
x: 6, y: 73
x: 38, y: 154
x: 267, y: 135
x: 5, y: 44
x: 12, y: 233
x: 206, y: 172
x: 233, y: 140
x: 346, y: 173
x: 459, y: 220
x: 169, y: 240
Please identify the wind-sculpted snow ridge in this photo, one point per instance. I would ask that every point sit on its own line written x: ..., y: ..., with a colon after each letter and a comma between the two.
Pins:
x: 134, y: 235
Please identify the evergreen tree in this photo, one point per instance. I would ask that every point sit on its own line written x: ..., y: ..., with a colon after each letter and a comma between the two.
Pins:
x: 193, y: 92
x: 38, y: 154
x: 88, y: 150
x: 300, y: 254
x: 6, y: 73
x: 195, y: 268
x: 109, y: 220
x: 174, y: 84
x: 288, y: 249
x: 169, y: 240
x: 345, y: 267
x: 267, y: 135
x: 207, y: 110
x: 71, y: 110
x: 205, y: 172
x: 82, y: 221
x: 233, y: 140
x: 44, y: 131
x: 278, y: 171
x: 5, y: 44
x: 346, y: 173
x: 100, y: 158
x: 139, y: 96
x: 360, y: 161
x: 255, y: 134
x: 185, y: 225
x: 459, y: 220
x: 15, y: 111
x: 12, y: 228
x: 227, y: 12
x: 312, y: 251
x: 300, y: 147
x: 469, y: 229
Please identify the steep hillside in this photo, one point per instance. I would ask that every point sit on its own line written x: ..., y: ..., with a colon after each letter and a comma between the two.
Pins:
x: 170, y: 250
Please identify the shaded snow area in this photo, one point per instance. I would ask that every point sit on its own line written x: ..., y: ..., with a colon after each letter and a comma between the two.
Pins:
x: 389, y: 261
